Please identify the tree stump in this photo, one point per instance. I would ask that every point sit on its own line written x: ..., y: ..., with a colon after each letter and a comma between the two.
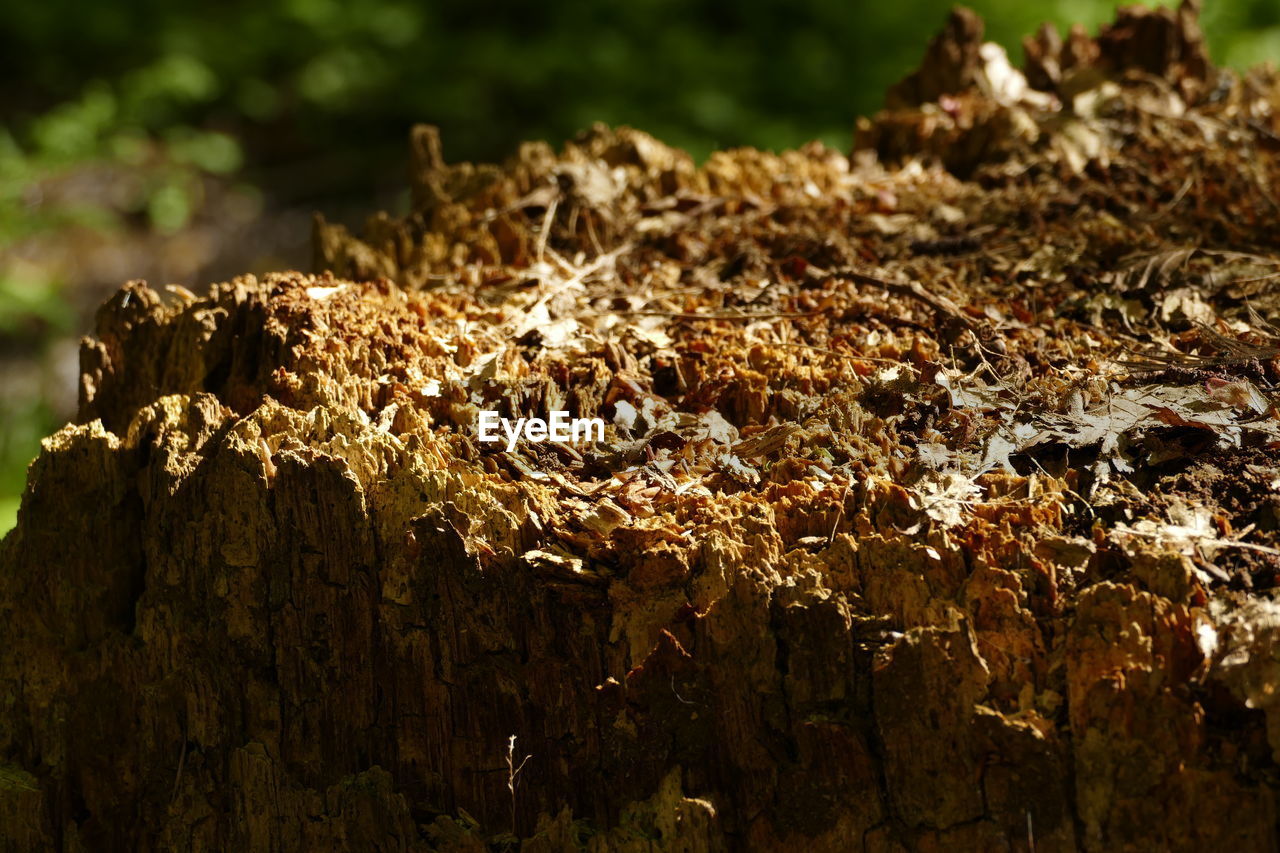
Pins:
x: 936, y: 508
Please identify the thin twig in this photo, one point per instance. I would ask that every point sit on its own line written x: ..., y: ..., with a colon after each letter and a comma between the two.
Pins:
x: 1177, y: 199
x: 182, y: 759
x: 826, y: 351
x: 545, y: 231
x: 512, y: 773
x: 688, y: 315
x: 909, y: 289
x: 844, y: 497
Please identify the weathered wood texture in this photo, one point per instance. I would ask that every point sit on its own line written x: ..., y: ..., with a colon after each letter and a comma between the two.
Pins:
x: 978, y: 559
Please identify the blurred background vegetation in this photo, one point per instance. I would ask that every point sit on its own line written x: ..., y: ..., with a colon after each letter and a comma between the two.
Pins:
x: 184, y: 143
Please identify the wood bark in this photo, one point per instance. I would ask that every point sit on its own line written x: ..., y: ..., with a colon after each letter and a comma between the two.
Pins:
x: 936, y: 510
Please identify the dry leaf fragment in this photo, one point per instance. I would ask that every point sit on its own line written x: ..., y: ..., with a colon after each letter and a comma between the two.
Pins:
x: 1240, y: 393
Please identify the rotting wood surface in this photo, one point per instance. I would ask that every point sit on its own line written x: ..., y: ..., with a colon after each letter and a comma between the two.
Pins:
x: 937, y: 511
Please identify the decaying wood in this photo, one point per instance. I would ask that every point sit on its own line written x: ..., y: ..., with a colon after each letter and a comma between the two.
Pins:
x: 937, y: 509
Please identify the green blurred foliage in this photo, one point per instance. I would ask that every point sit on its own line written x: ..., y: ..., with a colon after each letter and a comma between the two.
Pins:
x: 245, y: 88
x: 296, y: 77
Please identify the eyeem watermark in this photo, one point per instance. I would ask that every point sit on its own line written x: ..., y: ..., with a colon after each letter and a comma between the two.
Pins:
x: 559, y: 428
